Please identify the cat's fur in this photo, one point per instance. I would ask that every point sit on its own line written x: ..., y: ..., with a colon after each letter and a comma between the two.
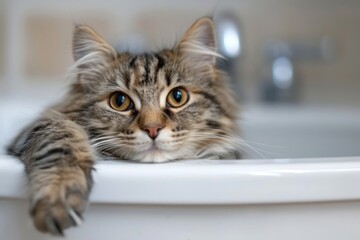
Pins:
x: 59, y: 149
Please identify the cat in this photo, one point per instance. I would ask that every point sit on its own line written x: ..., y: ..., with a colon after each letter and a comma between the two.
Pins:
x: 153, y: 107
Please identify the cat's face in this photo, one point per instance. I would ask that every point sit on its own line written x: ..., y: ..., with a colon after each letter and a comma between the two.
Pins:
x: 154, y: 107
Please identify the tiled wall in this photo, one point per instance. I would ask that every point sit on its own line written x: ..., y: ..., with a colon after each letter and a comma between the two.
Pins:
x: 45, y: 28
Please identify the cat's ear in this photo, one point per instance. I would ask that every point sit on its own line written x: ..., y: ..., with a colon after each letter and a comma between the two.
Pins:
x: 198, y: 44
x: 86, y: 42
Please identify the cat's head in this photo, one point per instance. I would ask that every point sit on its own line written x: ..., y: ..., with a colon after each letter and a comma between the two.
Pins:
x: 153, y: 107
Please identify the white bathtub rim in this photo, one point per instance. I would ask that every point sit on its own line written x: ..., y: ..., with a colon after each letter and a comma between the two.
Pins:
x: 212, y: 182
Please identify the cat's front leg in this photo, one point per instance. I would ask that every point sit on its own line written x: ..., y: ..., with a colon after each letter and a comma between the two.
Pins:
x: 58, y: 161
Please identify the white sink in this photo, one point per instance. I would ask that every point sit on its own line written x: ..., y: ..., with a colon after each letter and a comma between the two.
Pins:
x: 301, y: 132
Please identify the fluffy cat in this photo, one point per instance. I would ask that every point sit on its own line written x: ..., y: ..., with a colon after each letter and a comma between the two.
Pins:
x: 153, y: 107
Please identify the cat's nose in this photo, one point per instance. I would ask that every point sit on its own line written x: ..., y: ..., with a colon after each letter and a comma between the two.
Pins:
x: 153, y: 130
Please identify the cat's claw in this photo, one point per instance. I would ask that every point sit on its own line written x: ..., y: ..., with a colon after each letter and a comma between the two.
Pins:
x: 55, y: 227
x: 76, y: 217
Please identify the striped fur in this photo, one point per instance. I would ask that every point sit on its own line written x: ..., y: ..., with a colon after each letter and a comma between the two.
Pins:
x: 59, y: 149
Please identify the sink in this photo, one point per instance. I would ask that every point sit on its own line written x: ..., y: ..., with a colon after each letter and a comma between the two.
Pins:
x: 295, y: 131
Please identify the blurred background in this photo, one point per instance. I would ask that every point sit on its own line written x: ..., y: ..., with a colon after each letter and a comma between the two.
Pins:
x: 280, y: 52
x: 317, y: 42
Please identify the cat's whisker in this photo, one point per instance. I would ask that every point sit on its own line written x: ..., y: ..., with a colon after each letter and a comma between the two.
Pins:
x: 96, y: 141
x: 206, y: 151
x: 125, y: 153
x: 244, y: 144
x: 238, y: 140
x: 102, y: 142
x: 261, y: 144
x: 250, y: 149
x: 100, y: 139
x: 105, y: 147
x: 116, y: 149
x: 232, y: 140
x: 124, y: 148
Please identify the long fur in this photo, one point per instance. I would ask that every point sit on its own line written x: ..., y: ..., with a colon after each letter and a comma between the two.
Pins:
x: 59, y: 149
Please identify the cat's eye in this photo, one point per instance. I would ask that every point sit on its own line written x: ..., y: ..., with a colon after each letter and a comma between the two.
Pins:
x: 177, y: 97
x: 121, y: 102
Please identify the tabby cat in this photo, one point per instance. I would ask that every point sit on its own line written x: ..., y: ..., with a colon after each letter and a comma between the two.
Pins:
x: 152, y: 107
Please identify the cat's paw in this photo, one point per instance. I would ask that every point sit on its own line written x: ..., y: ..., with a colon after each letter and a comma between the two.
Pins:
x: 57, y: 207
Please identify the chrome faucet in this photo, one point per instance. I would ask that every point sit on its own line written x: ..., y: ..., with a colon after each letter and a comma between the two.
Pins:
x: 230, y: 46
x: 280, y: 81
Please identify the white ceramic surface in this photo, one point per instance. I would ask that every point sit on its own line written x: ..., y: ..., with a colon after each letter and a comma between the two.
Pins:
x: 258, y: 199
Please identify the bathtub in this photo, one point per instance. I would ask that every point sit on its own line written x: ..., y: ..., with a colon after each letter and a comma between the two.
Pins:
x: 302, y: 182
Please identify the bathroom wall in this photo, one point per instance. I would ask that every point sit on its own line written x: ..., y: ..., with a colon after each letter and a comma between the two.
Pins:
x: 37, y: 37
x: 335, y: 81
x: 2, y: 37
